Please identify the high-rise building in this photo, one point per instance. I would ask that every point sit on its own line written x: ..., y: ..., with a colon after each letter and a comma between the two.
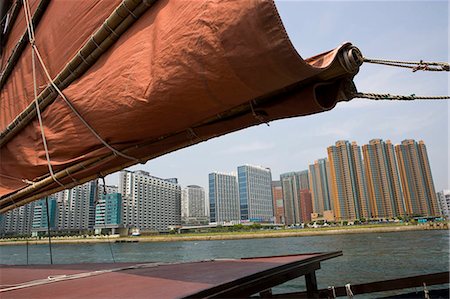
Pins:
x: 306, y: 205
x: 193, y: 205
x: 444, y: 202
x: 319, y: 182
x: 108, y: 211
x: 417, y: 181
x: 40, y: 223
x: 294, y: 209
x: 278, y: 207
x: 17, y: 221
x: 76, y: 207
x: 223, y: 198
x: 255, y: 193
x: 383, y: 181
x: 196, y: 201
x: 109, y: 189
x: 149, y: 203
x: 348, y: 184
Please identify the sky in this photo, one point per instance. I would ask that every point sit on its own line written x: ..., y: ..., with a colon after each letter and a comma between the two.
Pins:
x: 397, y: 30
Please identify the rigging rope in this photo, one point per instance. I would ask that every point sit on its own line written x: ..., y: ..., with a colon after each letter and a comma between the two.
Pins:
x: 38, y: 112
x: 36, y: 53
x: 387, y: 96
x: 414, y: 65
x: 104, y: 219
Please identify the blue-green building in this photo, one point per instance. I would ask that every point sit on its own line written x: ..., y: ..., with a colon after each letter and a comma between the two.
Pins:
x: 108, y: 212
x: 40, y: 223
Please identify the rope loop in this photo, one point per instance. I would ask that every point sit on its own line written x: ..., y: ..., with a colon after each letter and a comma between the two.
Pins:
x: 258, y: 116
x: 129, y: 11
x: 110, y: 29
x: 96, y: 44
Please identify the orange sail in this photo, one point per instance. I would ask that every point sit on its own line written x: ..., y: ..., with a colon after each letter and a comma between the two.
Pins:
x: 147, y: 78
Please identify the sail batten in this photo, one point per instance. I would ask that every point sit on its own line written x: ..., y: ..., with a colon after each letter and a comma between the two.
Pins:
x: 183, y: 73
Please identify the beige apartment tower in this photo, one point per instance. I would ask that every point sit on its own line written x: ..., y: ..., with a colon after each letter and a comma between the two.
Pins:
x: 348, y: 186
x: 383, y: 181
x: 416, y: 178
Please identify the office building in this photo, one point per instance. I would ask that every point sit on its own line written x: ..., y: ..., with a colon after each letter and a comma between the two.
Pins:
x: 348, y: 184
x: 255, y: 194
x: 149, y: 203
x: 416, y: 178
x: 383, y: 180
x: 278, y: 207
x: 294, y: 206
x: 223, y: 198
x: 444, y: 202
x: 193, y: 206
x: 109, y: 189
x: 319, y: 182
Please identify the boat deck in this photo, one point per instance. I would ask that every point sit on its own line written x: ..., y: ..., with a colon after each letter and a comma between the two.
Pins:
x: 228, y: 278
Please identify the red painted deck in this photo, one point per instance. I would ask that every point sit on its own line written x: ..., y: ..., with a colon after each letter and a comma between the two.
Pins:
x: 150, y: 280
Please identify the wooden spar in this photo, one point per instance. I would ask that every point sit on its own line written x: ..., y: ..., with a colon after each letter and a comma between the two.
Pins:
x: 23, y: 41
x: 116, y: 24
x: 7, y: 202
x: 14, y: 13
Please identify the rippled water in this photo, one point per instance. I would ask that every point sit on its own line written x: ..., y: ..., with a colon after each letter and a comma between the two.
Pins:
x: 366, y: 257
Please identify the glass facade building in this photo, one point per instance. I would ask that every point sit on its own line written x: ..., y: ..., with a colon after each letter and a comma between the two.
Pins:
x: 223, y: 198
x: 40, y: 215
x: 255, y: 194
x: 108, y: 211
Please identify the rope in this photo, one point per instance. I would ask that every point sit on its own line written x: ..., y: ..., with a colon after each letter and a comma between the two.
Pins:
x: 116, y: 152
x: 104, y: 220
x: 38, y: 112
x: 387, y: 96
x: 258, y: 116
x: 414, y: 65
x: 31, y: 38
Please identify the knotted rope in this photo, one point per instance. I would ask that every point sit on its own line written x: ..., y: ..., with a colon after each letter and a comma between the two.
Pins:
x: 414, y: 65
x: 391, y: 97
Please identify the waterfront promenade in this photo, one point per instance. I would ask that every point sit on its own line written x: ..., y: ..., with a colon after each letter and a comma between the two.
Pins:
x: 257, y: 234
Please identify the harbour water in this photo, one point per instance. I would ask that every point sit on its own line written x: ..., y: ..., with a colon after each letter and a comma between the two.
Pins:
x: 366, y: 257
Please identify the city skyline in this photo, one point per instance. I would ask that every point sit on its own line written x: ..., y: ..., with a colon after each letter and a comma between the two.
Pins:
x: 390, y: 181
x: 295, y: 143
x: 232, y: 169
